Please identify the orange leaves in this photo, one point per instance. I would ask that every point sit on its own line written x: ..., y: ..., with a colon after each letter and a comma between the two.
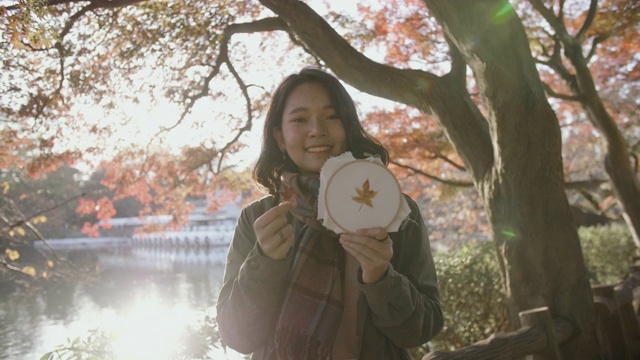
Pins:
x: 90, y: 230
x: 407, y: 32
x: 48, y: 162
x: 105, y: 209
x: 287, y: 194
x: 365, y: 195
x: 85, y: 206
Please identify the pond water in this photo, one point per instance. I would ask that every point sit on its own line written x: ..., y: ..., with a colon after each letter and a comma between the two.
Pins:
x: 144, y: 298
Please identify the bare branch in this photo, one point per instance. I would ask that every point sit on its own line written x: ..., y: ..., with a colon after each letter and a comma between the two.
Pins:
x: 438, y: 155
x: 262, y: 25
x: 591, y: 14
x: 248, y: 123
x: 554, y: 94
x: 584, y: 184
x: 594, y: 45
x: 103, y: 4
x: 553, y: 20
x: 26, y: 219
x: 433, y: 177
x: 58, y: 46
x: 591, y: 200
x: 555, y: 62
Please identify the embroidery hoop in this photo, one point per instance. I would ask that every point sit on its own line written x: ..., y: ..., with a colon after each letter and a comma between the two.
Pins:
x: 350, y: 215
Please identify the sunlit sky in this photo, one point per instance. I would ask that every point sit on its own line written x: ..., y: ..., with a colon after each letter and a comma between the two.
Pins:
x: 208, y: 120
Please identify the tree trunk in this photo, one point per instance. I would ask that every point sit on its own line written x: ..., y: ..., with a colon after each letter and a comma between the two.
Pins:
x: 524, y: 195
x: 514, y: 154
x: 622, y: 176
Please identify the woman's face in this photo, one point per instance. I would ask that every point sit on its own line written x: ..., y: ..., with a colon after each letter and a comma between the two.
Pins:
x: 310, y: 131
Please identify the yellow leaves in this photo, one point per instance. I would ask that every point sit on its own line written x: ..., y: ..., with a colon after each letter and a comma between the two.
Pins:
x: 5, y: 187
x: 13, y: 255
x: 365, y: 195
x: 29, y: 270
x: 17, y: 230
x: 39, y: 219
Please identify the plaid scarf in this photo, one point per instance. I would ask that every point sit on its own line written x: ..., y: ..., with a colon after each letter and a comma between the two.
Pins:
x: 312, y: 307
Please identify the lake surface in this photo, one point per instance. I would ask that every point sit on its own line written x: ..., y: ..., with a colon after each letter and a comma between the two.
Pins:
x: 145, y: 298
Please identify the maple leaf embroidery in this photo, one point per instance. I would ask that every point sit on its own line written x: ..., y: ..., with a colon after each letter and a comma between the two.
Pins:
x: 365, y: 195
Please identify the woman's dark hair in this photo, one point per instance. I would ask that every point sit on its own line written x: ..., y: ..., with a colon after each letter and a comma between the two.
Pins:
x: 272, y: 161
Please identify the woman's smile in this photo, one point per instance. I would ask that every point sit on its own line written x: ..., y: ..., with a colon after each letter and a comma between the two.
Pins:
x: 310, y: 131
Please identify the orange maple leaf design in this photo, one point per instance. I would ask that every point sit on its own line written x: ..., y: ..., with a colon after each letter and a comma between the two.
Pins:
x: 365, y: 195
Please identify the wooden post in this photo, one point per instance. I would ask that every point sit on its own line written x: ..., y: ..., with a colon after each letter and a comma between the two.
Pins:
x: 607, y: 311
x: 623, y: 295
x: 541, y: 316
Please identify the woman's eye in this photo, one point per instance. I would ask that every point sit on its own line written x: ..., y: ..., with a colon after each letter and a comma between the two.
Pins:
x: 297, y: 119
x: 333, y: 117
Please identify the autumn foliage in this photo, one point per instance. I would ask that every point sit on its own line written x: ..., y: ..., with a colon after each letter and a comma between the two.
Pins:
x: 77, y: 70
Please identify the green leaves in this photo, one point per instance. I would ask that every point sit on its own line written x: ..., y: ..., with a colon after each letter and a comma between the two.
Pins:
x: 607, y: 252
x: 472, y: 295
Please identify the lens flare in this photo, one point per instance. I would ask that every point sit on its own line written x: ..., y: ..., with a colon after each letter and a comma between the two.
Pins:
x: 503, y: 13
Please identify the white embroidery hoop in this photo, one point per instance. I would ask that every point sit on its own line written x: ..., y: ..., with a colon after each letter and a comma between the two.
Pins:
x: 350, y: 215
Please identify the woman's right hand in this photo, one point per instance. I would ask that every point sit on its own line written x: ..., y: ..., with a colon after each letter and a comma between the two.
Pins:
x: 274, y: 234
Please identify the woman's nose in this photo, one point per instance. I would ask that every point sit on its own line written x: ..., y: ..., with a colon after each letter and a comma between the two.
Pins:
x: 318, y: 127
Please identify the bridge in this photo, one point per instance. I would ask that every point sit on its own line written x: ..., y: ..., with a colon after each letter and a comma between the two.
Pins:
x: 84, y: 243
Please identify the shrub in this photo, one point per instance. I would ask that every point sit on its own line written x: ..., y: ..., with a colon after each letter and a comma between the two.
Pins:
x: 472, y: 295
x: 607, y: 251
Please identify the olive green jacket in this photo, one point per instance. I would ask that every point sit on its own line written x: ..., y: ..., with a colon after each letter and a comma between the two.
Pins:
x: 400, y: 311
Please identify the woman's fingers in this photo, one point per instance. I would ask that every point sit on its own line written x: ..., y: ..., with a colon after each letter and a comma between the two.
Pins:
x: 367, y: 247
x: 279, y: 211
x: 372, y: 253
x: 377, y: 233
x: 273, y: 233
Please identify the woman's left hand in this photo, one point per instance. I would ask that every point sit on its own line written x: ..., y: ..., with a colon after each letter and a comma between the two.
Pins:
x: 373, y: 249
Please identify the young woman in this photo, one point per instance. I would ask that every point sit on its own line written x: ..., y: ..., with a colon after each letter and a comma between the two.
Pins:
x: 295, y: 290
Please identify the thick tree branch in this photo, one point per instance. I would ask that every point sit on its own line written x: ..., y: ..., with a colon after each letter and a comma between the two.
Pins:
x: 458, y: 65
x: 348, y: 63
x: 443, y: 97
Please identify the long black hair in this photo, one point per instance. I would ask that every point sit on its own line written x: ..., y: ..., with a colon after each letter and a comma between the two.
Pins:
x: 272, y: 161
